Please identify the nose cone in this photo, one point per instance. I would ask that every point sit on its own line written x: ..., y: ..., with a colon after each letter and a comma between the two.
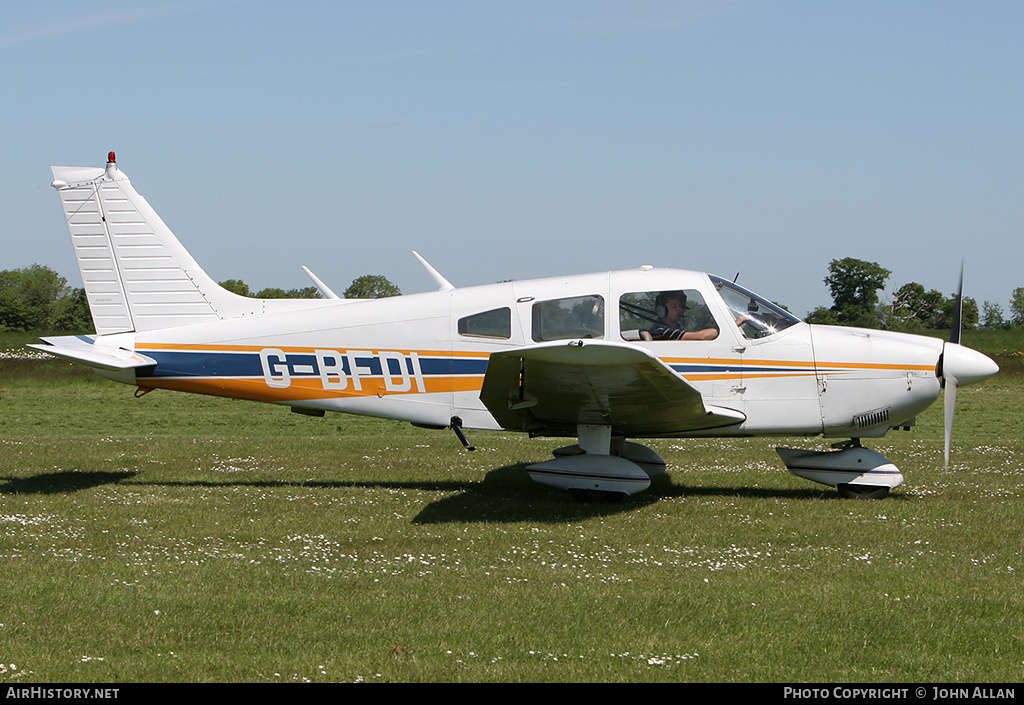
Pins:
x: 966, y: 366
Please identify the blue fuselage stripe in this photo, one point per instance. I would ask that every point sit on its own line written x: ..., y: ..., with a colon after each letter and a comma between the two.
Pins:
x: 249, y: 364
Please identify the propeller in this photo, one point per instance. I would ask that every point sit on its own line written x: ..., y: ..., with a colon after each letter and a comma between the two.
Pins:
x: 949, y: 380
x: 959, y: 365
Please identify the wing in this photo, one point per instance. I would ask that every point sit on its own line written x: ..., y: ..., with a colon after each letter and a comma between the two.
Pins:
x: 550, y: 388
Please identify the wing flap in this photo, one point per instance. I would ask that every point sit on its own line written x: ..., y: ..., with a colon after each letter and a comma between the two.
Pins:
x: 551, y: 388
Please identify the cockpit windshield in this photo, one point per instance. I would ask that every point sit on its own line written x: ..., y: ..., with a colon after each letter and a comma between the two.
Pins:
x: 756, y: 316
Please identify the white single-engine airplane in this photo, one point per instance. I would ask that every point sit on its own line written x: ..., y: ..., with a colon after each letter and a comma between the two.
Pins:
x: 643, y: 353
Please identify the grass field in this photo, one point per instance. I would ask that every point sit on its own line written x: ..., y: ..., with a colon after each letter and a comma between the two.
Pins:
x: 182, y: 538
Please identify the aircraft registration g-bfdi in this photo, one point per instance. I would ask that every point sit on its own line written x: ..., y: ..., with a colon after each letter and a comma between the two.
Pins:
x: 600, y: 358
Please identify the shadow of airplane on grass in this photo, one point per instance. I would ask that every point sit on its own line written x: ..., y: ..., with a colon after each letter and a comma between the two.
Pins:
x: 505, y: 495
x: 62, y: 481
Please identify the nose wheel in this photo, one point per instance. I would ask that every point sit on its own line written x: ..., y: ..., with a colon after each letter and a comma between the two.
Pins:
x: 848, y: 491
x: 855, y: 471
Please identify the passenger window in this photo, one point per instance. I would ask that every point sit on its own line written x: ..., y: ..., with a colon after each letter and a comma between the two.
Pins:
x: 666, y: 315
x: 564, y: 319
x: 496, y: 323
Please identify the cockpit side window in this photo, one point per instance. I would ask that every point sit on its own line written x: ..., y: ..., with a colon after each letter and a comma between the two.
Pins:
x: 756, y: 317
x: 666, y: 315
x: 565, y: 319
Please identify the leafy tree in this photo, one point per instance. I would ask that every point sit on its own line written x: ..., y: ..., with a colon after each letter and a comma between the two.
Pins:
x: 371, y: 286
x: 854, y: 285
x: 822, y: 315
x: 942, y: 318
x: 74, y: 315
x: 236, y: 286
x: 914, y: 307
x: 306, y: 292
x: 14, y: 313
x: 309, y: 292
x: 1017, y: 307
x: 992, y: 316
x: 912, y: 303
x: 242, y: 289
x: 37, y: 298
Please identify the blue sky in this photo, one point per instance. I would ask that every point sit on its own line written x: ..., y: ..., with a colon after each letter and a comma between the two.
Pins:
x: 510, y: 140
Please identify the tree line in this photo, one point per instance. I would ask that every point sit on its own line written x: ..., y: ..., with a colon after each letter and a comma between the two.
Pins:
x: 37, y: 298
x: 368, y: 286
x: 855, y: 285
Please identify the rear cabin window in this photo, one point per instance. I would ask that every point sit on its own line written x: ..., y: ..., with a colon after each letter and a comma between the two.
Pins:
x: 496, y: 323
x: 566, y: 319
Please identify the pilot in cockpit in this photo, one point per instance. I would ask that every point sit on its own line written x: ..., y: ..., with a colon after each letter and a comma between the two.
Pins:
x: 670, y: 307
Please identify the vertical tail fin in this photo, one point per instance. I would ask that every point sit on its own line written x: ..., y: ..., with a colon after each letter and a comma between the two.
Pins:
x: 137, y: 276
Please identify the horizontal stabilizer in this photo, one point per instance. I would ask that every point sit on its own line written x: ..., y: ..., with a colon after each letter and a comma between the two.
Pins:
x: 84, y: 349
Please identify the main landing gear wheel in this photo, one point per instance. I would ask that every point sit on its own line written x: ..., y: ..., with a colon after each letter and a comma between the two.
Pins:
x: 847, y: 491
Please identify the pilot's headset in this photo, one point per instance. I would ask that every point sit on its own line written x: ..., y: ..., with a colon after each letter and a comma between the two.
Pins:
x: 661, y: 302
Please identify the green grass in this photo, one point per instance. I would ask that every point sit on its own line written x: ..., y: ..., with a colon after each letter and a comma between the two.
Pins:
x: 183, y: 538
